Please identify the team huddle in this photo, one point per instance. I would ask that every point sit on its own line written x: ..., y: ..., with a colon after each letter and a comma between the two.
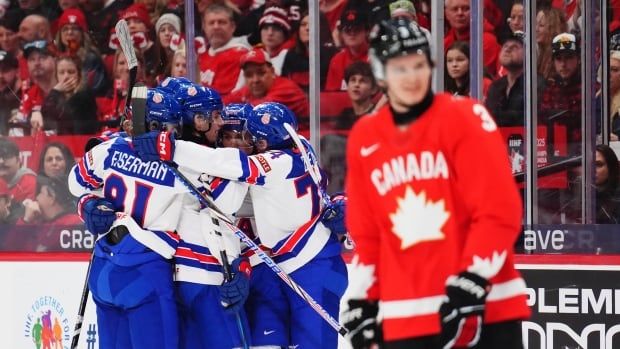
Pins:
x: 158, y: 274
x: 433, y: 264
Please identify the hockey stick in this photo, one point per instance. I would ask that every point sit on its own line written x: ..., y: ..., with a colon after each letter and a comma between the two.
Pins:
x: 216, y: 213
x: 122, y: 32
x: 228, y: 276
x: 124, y: 38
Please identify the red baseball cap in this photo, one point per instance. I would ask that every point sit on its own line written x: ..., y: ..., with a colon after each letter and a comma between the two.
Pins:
x: 256, y: 56
x: 73, y: 16
x: 138, y: 11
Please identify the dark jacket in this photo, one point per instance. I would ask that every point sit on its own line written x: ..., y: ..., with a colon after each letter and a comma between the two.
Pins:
x: 508, y: 110
x: 76, y: 115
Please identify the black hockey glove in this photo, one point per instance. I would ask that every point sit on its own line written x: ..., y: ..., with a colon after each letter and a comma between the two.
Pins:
x: 361, y: 322
x: 234, y: 292
x: 461, y: 315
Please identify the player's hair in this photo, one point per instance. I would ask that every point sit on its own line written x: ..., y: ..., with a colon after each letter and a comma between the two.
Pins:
x: 359, y: 68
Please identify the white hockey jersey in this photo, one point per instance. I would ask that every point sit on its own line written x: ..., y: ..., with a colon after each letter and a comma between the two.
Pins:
x: 285, y: 199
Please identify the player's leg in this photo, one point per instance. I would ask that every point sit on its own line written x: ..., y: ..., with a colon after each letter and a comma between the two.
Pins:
x: 153, y: 320
x: 426, y: 342
x: 324, y: 279
x: 111, y: 321
x: 267, y: 309
x: 211, y: 326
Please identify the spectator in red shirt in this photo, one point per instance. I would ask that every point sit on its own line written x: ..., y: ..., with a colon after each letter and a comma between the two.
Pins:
x: 21, y: 180
x: 458, y: 15
x: 219, y: 66
x: 263, y: 85
x: 354, y: 28
x: 51, y: 211
x: 41, y: 67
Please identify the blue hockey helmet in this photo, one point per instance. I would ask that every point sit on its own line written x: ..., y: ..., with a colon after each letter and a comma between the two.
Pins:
x: 235, y: 116
x: 173, y: 85
x: 266, y: 122
x: 199, y: 101
x: 163, y: 112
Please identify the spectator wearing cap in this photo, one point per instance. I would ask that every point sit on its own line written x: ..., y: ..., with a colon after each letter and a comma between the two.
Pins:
x: 274, y: 31
x: 9, y: 90
x: 168, y: 25
x: 32, y: 28
x: 296, y: 64
x: 458, y: 15
x: 354, y: 30
x: 219, y: 65
x: 72, y: 39
x: 20, y: 180
x: 561, y: 98
x: 263, y: 85
x: 505, y: 98
x: 41, y: 68
x: 141, y: 31
x: 101, y: 17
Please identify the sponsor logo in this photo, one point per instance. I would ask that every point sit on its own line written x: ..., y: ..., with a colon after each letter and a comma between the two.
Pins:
x: 367, y: 151
x: 46, y: 324
x: 266, y: 333
x: 263, y: 163
x: 158, y: 98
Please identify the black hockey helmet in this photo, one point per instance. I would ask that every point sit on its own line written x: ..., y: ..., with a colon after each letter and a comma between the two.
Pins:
x: 394, y: 38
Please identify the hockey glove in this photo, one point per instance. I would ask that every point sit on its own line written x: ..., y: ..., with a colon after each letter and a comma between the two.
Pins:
x: 234, y: 292
x: 461, y: 315
x: 333, y: 215
x: 97, y: 213
x: 154, y: 146
x: 361, y: 322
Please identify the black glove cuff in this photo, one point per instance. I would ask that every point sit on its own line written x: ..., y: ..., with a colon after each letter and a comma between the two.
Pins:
x: 467, y: 288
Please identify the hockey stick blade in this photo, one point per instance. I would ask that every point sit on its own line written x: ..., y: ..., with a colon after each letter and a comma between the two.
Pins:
x: 217, y: 213
x: 124, y: 38
x: 138, y: 109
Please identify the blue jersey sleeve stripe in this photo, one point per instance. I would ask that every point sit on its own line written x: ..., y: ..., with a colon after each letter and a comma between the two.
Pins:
x: 217, y: 191
x: 81, y: 180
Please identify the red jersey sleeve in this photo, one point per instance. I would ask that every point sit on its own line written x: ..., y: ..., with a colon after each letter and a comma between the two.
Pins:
x: 489, y: 192
x: 360, y: 223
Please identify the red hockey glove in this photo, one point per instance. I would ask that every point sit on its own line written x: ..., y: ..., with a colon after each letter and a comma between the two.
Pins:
x: 461, y: 315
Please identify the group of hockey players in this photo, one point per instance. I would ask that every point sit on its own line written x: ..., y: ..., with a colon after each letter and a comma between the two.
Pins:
x: 425, y: 181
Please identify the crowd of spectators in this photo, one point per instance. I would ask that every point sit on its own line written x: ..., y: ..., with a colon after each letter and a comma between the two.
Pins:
x: 62, y: 72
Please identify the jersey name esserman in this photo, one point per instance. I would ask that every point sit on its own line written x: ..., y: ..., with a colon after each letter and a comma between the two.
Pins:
x: 131, y: 165
x: 407, y: 168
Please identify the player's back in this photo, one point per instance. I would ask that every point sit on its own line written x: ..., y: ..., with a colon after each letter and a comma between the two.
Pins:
x: 148, y: 191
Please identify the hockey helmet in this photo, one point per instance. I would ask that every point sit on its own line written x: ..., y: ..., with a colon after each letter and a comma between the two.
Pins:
x: 163, y: 112
x: 395, y: 38
x: 173, y: 85
x: 198, y: 101
x: 266, y: 122
x: 235, y: 116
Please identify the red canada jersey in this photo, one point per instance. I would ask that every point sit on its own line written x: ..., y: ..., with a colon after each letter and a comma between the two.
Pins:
x: 220, y: 69
x: 426, y: 201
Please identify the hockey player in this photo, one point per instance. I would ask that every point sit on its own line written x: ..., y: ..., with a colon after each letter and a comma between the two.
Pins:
x: 131, y: 273
x: 301, y: 245
x: 433, y: 210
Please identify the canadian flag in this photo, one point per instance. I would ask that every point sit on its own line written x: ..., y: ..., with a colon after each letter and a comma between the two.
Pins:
x: 178, y: 42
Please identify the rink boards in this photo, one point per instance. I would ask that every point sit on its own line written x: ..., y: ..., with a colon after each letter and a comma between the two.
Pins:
x: 575, y: 300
